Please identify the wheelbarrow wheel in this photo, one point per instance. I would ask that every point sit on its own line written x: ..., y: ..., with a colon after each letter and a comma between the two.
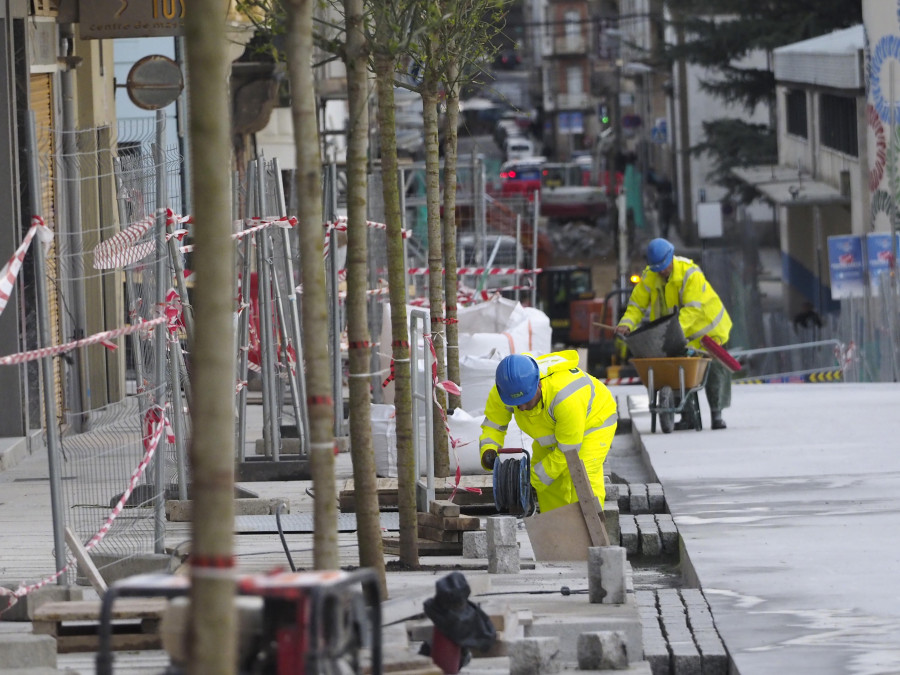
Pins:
x: 666, y: 401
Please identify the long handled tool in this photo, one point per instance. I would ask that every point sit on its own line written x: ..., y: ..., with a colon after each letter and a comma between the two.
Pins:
x: 590, y: 505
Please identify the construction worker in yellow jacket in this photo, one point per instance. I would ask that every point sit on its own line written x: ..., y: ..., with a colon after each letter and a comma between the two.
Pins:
x: 563, y: 409
x: 671, y: 283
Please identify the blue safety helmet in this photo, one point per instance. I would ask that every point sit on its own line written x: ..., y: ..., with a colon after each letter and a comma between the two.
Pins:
x: 659, y: 254
x: 517, y: 379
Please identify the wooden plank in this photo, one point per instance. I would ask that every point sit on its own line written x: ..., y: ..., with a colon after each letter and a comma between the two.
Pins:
x: 435, y: 534
x: 559, y: 534
x: 458, y: 523
x: 120, y: 642
x: 426, y: 548
x: 444, y: 508
x: 85, y: 564
x: 87, y: 610
x: 590, y: 505
x: 386, y: 489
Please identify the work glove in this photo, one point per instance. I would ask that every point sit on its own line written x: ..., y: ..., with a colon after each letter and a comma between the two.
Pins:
x: 488, y: 459
x: 623, y: 330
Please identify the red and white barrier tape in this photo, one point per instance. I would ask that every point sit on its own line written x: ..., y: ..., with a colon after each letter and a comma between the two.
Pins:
x: 122, y: 248
x: 621, y: 380
x: 845, y: 354
x: 479, y: 271
x: 10, y: 270
x: 341, y: 226
x: 105, y: 338
x: 155, y: 423
x: 451, y: 388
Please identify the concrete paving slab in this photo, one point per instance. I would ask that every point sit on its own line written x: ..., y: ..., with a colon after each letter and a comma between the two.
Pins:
x: 787, y: 520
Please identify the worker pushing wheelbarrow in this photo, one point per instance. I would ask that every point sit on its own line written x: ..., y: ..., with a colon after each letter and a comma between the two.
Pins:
x: 672, y: 375
x: 674, y: 292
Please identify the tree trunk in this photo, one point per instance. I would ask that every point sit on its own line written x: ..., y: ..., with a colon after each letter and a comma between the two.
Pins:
x: 212, y: 618
x: 368, y: 516
x: 299, y: 33
x: 450, y: 279
x: 406, y: 463
x: 435, y: 263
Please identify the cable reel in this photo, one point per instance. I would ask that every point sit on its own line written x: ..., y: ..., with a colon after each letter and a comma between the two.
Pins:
x: 512, y: 483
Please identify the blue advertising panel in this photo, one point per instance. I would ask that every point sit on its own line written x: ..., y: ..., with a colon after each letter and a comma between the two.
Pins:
x: 881, y: 256
x: 845, y: 260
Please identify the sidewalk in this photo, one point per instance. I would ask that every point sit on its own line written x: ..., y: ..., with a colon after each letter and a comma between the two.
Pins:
x: 787, y: 521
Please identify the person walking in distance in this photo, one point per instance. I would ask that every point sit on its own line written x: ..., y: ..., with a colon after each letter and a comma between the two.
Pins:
x: 563, y: 409
x: 671, y: 283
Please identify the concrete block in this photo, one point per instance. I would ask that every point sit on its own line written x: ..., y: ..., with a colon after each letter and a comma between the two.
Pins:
x: 656, y: 653
x: 602, y: 650
x: 669, y: 597
x: 24, y: 609
x: 612, y: 492
x: 501, y: 531
x: 26, y: 650
x: 685, y: 658
x: 475, y: 544
x: 638, y: 501
x: 645, y: 599
x: 668, y: 533
x: 628, y: 533
x: 649, y: 535
x: 624, y: 498
x: 534, y: 656
x: 656, y: 499
x: 606, y: 575
x: 181, y: 510
x: 567, y: 628
x: 503, y: 559
x: 713, y: 656
x: 611, y: 514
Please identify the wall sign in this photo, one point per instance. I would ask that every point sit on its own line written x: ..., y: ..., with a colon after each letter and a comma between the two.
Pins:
x: 102, y: 19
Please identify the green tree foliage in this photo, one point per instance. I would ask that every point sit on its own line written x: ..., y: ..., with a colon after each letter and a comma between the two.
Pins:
x: 718, y: 34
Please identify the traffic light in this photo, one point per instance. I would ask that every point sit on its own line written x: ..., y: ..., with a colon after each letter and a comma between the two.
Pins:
x: 604, y: 114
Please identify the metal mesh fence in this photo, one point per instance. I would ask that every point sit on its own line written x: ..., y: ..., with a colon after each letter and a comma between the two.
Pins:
x: 102, y: 395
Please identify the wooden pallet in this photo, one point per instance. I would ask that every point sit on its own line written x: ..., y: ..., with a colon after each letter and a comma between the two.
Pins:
x: 386, y: 488
x: 76, y: 625
x: 426, y: 547
x: 444, y: 523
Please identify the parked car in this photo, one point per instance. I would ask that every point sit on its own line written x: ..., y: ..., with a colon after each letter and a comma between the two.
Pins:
x: 521, y: 177
x: 518, y: 147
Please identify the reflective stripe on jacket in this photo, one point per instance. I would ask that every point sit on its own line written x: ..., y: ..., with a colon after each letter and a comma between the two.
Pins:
x: 573, y: 405
x: 701, y: 311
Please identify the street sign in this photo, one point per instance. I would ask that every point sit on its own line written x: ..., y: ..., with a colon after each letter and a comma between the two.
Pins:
x: 881, y: 256
x: 845, y: 260
x: 709, y: 220
x: 102, y: 19
x: 154, y: 82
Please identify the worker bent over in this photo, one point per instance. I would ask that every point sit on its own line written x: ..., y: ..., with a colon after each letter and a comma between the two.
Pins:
x: 563, y: 409
x: 671, y: 283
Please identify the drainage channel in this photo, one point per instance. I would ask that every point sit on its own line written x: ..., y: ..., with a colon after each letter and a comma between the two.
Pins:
x: 679, y: 633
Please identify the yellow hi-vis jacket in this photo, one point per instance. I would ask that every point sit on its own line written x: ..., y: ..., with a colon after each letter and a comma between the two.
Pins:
x: 700, y: 311
x: 576, y: 413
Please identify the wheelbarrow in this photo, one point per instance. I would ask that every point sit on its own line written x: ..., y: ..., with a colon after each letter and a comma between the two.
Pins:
x: 670, y: 381
x: 671, y: 378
